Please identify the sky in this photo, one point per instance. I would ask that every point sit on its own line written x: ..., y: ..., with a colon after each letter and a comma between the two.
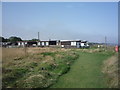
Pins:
x: 90, y: 21
x: 0, y: 19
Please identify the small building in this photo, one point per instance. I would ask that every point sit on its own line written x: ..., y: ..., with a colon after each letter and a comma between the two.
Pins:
x: 42, y: 43
x: 65, y: 43
x: 55, y: 43
x: 84, y: 44
x: 27, y: 43
x: 70, y: 43
x: 36, y: 43
x: 47, y: 43
x: 74, y: 44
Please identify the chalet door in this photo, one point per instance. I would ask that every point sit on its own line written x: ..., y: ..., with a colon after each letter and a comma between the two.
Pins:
x: 78, y: 44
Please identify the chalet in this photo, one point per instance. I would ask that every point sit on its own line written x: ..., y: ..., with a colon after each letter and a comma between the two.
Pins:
x: 8, y: 44
x: 70, y: 43
x: 74, y: 43
x: 27, y: 43
x: 36, y: 43
x: 43, y: 43
x: 84, y: 44
x: 48, y: 43
x: 55, y: 43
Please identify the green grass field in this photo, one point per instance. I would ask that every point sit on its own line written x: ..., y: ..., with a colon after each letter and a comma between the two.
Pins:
x: 54, y: 68
x: 86, y: 72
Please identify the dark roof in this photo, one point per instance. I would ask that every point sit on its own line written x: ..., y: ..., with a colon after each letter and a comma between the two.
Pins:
x: 26, y: 41
x: 71, y: 41
x: 83, y: 41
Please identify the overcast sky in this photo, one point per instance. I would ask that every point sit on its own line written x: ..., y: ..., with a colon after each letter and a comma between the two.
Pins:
x: 85, y: 21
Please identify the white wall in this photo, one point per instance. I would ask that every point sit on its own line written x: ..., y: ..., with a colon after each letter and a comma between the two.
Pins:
x: 43, y: 44
x: 73, y: 43
x: 82, y: 44
x: 22, y: 43
x: 19, y: 43
x: 38, y: 43
x: 47, y: 44
x: 62, y: 45
x: 25, y: 42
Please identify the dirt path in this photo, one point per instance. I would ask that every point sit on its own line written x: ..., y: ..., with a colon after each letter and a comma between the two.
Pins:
x: 84, y: 73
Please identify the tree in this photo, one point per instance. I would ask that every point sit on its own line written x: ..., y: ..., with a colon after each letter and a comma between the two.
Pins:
x: 7, y: 40
x: 1, y: 39
x: 14, y: 39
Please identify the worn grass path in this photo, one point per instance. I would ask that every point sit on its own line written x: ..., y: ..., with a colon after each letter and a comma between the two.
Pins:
x: 85, y: 72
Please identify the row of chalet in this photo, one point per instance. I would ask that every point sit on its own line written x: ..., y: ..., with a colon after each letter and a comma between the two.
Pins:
x: 60, y: 43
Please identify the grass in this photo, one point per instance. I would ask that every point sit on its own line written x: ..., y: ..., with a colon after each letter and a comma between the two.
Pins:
x: 110, y: 68
x: 48, y: 54
x: 36, y: 70
x: 85, y: 72
x: 53, y: 67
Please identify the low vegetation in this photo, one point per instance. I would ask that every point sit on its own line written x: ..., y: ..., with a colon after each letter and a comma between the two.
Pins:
x: 110, y: 69
x: 35, y: 70
x: 86, y: 72
x: 58, y: 68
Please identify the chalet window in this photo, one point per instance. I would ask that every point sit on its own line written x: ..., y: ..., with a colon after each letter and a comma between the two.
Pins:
x: 38, y: 43
x: 42, y: 43
x: 46, y: 43
x: 19, y: 43
x: 25, y: 42
x: 22, y: 43
x: 82, y: 44
x: 73, y: 43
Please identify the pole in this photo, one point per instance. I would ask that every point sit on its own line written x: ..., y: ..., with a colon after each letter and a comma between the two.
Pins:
x: 106, y: 42
x: 38, y: 36
x: 25, y: 49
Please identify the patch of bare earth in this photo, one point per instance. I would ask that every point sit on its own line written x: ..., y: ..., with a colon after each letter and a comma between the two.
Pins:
x: 110, y: 68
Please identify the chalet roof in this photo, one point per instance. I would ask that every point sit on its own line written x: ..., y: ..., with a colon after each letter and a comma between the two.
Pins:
x: 26, y: 41
x: 39, y: 41
x: 69, y: 40
x: 84, y: 41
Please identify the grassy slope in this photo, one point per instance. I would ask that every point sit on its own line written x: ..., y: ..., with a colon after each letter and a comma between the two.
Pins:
x: 85, y: 72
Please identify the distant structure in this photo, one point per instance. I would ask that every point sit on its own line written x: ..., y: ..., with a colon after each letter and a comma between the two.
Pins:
x: 55, y: 43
